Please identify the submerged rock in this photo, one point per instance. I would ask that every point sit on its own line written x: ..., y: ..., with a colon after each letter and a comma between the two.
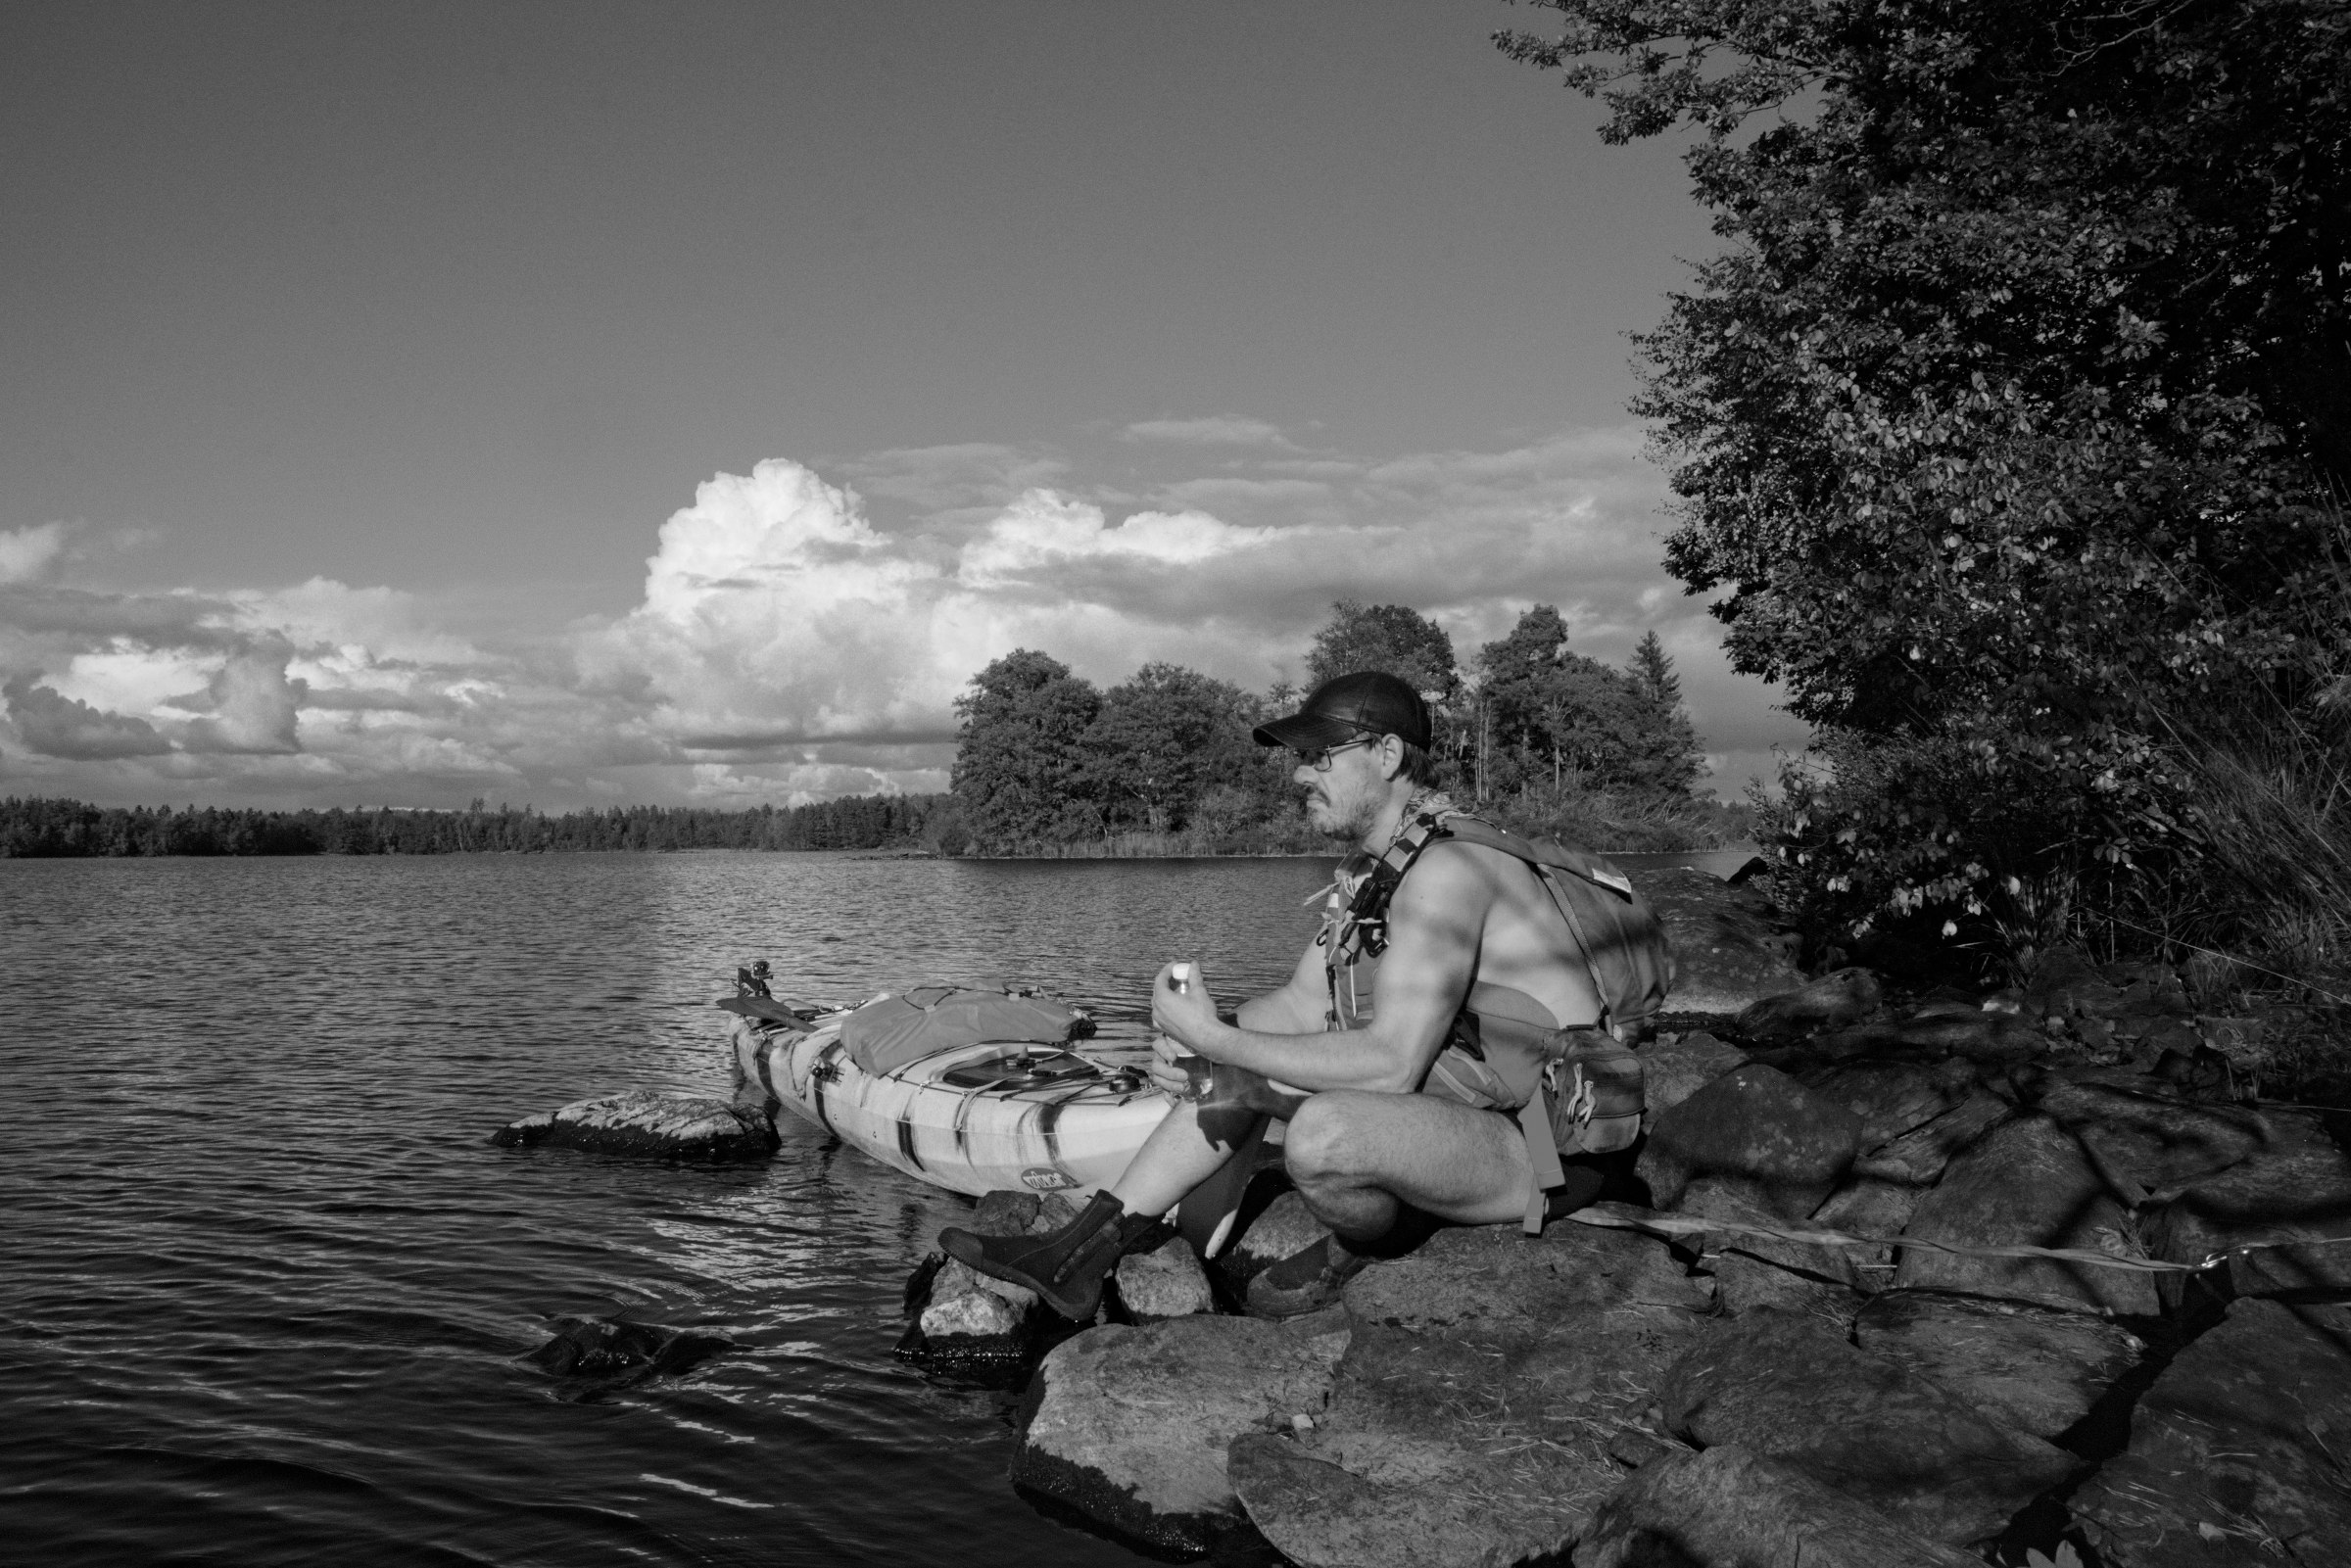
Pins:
x: 1760, y: 1126
x: 2237, y: 1450
x: 640, y: 1121
x: 1790, y: 1387
x: 1129, y: 1426
x: 620, y: 1352
x: 1732, y: 1505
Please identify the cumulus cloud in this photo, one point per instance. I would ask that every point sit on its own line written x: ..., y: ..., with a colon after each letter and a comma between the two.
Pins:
x: 57, y: 726
x: 788, y: 644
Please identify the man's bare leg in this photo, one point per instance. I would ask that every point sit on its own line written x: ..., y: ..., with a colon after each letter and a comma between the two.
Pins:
x: 1177, y: 1157
x: 1356, y: 1154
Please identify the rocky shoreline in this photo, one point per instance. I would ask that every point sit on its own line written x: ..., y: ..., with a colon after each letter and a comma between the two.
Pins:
x: 1928, y: 1290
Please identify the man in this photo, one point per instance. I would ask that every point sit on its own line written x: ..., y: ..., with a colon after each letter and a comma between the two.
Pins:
x: 1372, y: 1047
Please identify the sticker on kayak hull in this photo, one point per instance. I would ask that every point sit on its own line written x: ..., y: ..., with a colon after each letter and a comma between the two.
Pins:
x: 1045, y: 1178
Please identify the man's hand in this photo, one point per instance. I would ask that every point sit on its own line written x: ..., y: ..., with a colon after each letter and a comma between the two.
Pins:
x: 1187, y: 1016
x: 1165, y: 1074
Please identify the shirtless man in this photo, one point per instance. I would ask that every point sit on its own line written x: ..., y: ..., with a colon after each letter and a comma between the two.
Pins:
x: 1374, y: 1131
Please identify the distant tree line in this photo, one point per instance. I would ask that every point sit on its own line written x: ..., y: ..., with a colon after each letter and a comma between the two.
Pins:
x: 1541, y: 737
x: 49, y: 828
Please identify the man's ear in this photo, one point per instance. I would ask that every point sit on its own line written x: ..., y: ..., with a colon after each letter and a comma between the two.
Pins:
x: 1391, y: 758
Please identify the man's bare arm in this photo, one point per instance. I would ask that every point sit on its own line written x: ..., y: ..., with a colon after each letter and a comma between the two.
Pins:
x: 1434, y: 927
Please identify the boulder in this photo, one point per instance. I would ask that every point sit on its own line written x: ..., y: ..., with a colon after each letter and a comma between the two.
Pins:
x: 1917, y: 1159
x: 640, y: 1121
x: 2146, y: 1141
x: 2029, y: 1368
x: 2297, y: 1190
x: 1164, y: 1282
x: 2236, y: 1451
x: 1285, y: 1227
x: 1673, y: 1070
x: 1729, y: 948
x: 1757, y: 1125
x: 2027, y: 1182
x: 1980, y: 1034
x: 1868, y: 1205
x: 1837, y: 999
x: 1129, y: 1426
x: 1493, y: 1279
x: 1752, y: 1272
x: 1892, y: 1097
x: 1731, y: 1506
x: 968, y: 1321
x: 1489, y: 1441
x: 1790, y: 1387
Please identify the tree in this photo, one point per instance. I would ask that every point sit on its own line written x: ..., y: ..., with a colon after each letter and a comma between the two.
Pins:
x: 1162, y: 740
x: 2011, y: 414
x: 1385, y: 637
x: 1550, y: 713
x: 1022, y: 769
x: 1653, y: 671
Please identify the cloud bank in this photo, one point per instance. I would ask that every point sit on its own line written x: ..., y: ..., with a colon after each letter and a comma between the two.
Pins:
x: 798, y: 635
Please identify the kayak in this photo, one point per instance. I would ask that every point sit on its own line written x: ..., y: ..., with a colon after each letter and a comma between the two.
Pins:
x: 974, y: 1118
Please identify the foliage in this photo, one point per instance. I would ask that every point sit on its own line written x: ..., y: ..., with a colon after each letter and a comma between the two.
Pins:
x: 38, y: 828
x: 2010, y: 414
x: 1162, y: 739
x: 1385, y: 637
x: 1549, y: 715
x: 1023, y: 768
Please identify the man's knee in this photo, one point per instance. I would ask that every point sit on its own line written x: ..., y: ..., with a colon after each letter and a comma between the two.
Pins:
x: 1324, y: 1137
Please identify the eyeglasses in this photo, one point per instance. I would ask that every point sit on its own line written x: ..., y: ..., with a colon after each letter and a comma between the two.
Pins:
x: 1319, y: 758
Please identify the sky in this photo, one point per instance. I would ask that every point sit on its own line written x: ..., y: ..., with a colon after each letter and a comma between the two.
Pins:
x: 579, y: 404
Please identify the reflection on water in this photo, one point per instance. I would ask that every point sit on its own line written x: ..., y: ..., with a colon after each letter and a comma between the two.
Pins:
x: 263, y: 1282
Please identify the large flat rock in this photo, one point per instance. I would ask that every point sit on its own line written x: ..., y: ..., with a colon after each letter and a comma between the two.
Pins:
x: 1788, y: 1386
x: 1493, y: 1279
x: 1894, y: 1097
x: 2237, y: 1450
x: 2154, y: 1139
x: 2029, y: 1368
x: 1129, y: 1426
x: 1732, y: 1507
x: 2291, y: 1203
x: 1759, y: 1127
x: 1919, y: 1157
x: 1483, y: 1441
x: 2025, y: 1183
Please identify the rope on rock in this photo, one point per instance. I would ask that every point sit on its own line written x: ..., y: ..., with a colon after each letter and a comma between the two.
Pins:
x: 1624, y: 1217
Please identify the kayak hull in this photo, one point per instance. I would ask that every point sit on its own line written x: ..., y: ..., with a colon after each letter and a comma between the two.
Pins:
x: 1073, y: 1137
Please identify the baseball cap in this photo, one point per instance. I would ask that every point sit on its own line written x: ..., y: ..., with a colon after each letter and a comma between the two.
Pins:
x: 1369, y: 702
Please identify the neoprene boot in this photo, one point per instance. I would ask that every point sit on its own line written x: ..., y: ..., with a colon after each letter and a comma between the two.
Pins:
x: 1065, y: 1269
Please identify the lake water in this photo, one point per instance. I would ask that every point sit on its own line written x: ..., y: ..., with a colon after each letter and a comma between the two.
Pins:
x: 264, y: 1283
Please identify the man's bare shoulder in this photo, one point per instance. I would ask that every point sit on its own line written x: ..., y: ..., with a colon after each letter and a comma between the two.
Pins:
x: 1454, y: 876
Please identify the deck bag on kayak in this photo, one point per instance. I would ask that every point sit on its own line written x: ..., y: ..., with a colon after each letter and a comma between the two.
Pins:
x: 889, y: 1031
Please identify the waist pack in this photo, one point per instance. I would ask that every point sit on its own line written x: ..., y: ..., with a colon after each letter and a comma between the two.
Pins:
x: 1593, y: 1082
x: 890, y: 1031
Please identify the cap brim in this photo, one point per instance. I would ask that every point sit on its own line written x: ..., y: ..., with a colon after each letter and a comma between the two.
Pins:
x: 1306, y: 732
